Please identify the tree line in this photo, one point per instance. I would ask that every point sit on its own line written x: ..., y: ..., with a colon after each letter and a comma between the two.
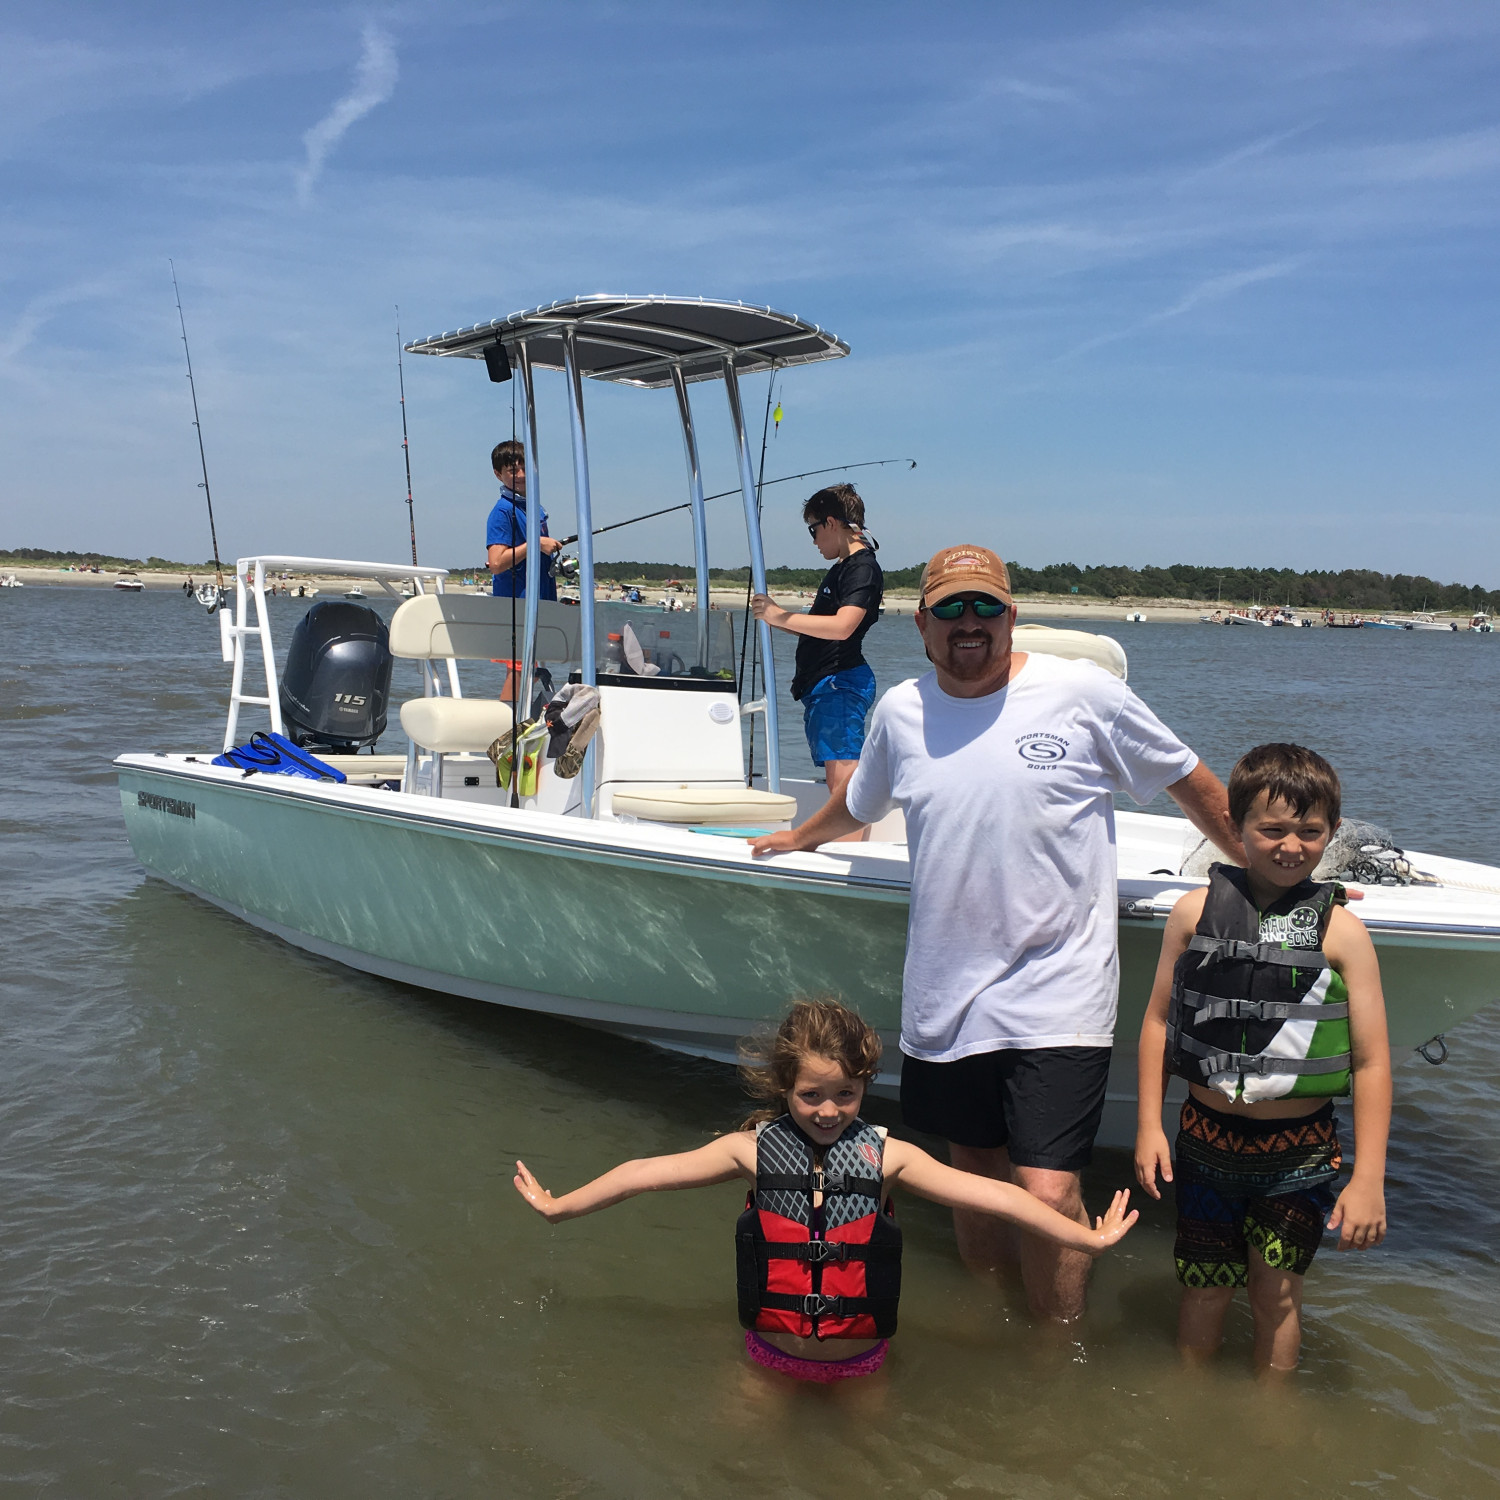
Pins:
x: 1350, y: 588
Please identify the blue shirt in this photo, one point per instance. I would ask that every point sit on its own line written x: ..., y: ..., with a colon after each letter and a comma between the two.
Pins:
x: 507, y: 528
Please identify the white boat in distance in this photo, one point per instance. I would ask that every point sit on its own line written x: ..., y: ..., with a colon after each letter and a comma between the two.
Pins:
x: 615, y: 898
x: 128, y: 583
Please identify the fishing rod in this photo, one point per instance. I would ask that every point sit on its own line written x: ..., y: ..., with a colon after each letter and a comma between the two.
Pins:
x: 872, y: 463
x: 202, y: 456
x: 411, y: 514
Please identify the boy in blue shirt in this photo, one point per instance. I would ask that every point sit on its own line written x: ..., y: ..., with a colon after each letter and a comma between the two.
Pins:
x: 505, y: 535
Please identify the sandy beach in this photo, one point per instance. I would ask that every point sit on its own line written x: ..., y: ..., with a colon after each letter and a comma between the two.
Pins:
x: 897, y: 602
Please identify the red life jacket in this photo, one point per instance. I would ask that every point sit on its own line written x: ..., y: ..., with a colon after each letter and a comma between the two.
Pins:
x: 830, y: 1272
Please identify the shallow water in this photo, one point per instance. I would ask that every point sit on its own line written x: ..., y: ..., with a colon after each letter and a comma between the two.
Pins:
x: 259, y: 1235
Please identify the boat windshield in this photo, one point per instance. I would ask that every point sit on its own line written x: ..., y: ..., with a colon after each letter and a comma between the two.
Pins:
x: 645, y: 644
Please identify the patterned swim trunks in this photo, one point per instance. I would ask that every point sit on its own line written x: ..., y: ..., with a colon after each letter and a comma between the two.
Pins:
x: 1243, y: 1183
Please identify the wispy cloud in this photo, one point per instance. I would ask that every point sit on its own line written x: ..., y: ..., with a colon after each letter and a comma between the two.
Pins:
x: 374, y: 83
x: 1214, y: 289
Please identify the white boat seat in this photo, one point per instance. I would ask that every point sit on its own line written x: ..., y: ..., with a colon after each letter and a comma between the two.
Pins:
x: 470, y: 627
x: 450, y: 726
x: 728, y: 805
x: 1076, y: 645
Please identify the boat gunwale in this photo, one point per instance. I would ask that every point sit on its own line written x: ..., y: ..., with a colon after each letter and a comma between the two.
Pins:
x: 454, y: 823
x: 460, y: 824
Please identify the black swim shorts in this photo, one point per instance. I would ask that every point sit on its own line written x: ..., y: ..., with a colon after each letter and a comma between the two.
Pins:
x: 1043, y: 1104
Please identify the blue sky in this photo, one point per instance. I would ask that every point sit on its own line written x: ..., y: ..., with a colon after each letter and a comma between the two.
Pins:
x: 1132, y: 283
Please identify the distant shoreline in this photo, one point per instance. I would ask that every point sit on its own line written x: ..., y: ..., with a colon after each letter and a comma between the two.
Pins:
x: 898, y: 601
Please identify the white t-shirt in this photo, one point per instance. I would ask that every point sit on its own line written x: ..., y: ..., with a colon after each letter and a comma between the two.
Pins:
x: 1012, y: 938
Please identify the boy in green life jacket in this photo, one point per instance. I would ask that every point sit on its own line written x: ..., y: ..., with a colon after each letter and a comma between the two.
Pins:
x: 1267, y: 1001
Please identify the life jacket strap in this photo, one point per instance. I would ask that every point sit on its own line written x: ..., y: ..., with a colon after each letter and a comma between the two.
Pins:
x: 817, y: 1181
x: 1260, y: 953
x: 815, y: 1305
x: 1261, y: 1064
x: 1218, y: 1008
x: 818, y: 1251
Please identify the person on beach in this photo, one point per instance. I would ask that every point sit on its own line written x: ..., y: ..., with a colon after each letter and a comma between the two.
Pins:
x: 1005, y: 764
x: 1267, y: 1000
x: 818, y: 1253
x: 833, y: 682
x: 505, y: 534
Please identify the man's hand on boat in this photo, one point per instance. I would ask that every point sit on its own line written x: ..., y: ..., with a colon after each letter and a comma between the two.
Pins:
x: 831, y: 821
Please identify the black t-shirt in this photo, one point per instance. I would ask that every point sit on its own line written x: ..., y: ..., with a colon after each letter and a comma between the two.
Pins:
x: 855, y: 580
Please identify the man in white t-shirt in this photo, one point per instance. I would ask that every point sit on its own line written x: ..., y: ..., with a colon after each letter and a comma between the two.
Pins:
x: 1005, y: 765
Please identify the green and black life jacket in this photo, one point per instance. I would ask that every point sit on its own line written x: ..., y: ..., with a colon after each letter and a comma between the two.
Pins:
x: 1256, y: 1012
x: 829, y: 1272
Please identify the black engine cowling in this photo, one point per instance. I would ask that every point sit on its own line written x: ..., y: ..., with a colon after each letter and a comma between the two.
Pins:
x: 337, y: 678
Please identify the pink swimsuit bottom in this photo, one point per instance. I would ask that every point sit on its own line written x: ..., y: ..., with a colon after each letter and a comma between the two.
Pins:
x: 822, y: 1370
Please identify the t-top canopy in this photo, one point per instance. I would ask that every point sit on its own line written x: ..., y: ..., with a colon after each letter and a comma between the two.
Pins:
x: 637, y: 340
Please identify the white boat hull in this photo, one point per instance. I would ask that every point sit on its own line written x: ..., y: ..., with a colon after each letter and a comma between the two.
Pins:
x: 659, y: 933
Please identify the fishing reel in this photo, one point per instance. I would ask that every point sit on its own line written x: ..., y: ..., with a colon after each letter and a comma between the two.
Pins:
x: 564, y: 569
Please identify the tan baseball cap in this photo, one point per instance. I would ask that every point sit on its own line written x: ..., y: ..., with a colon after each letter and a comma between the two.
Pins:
x: 961, y: 570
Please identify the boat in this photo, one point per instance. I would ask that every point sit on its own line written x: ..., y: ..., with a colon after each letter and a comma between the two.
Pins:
x: 1135, y: 617
x: 1245, y: 617
x: 1481, y: 624
x: 1216, y: 618
x: 626, y: 898
x: 1383, y: 623
x: 354, y: 592
x: 1426, y: 622
x: 10, y: 581
x: 1286, y: 615
x: 128, y: 583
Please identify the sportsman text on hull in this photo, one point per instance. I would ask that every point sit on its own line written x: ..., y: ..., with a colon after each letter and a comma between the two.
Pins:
x: 825, y: 1270
x: 1256, y: 1012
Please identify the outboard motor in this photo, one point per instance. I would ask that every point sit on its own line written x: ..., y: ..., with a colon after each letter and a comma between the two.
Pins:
x: 337, y: 679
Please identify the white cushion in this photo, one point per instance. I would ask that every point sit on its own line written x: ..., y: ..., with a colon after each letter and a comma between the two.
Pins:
x: 471, y: 627
x: 452, y: 725
x: 1077, y: 645
x: 730, y: 805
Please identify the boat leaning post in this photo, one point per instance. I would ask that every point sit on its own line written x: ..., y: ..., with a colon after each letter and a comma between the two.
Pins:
x: 757, y: 572
x: 585, y: 539
x: 521, y: 701
x: 695, y: 500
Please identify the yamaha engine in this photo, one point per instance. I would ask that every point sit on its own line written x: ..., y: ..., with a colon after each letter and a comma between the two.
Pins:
x: 337, y: 678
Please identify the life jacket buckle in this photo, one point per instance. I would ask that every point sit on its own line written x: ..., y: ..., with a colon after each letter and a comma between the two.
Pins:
x: 816, y: 1305
x: 819, y: 1251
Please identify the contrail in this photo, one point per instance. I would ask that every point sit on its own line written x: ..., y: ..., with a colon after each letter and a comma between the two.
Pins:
x: 374, y: 83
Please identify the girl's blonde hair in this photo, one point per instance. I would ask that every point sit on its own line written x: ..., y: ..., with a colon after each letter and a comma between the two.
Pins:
x: 817, y: 1027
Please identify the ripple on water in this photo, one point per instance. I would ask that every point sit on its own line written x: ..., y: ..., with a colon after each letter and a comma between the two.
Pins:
x: 260, y: 1238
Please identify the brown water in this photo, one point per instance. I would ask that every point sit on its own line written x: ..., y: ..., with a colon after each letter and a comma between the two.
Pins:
x: 259, y: 1236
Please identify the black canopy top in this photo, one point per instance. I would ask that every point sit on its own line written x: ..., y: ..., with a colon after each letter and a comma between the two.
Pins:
x: 637, y: 340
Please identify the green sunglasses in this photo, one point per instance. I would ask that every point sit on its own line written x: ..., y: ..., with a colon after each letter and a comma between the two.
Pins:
x: 953, y: 609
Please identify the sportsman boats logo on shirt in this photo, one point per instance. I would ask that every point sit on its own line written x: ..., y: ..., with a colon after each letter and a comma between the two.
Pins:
x: 1041, y: 752
x: 1297, y: 929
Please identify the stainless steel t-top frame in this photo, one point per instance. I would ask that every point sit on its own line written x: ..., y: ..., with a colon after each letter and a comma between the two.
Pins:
x: 651, y: 342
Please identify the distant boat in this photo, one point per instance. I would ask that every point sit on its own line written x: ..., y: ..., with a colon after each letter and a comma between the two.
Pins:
x: 128, y: 583
x: 1481, y: 624
x: 1426, y: 622
x: 1383, y: 624
x: 1244, y: 617
x: 355, y: 593
x: 1135, y: 617
x: 10, y: 581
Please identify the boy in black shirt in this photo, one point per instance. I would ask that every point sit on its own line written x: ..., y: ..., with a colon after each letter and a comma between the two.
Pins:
x: 833, y: 682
